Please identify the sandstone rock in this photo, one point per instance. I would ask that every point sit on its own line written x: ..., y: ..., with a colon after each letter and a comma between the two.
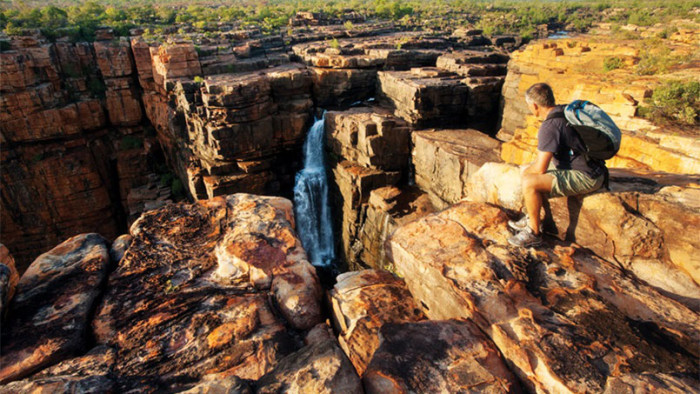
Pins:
x: 89, y: 373
x: 229, y: 385
x: 561, y: 317
x: 638, y: 225
x: 342, y: 87
x: 8, y: 279
x: 364, y: 301
x: 387, y: 208
x: 317, y: 368
x: 114, y: 58
x: 437, y: 356
x: 577, y: 74
x: 174, y: 61
x: 445, y: 159
x: 123, y: 105
x: 351, y: 188
x: 203, y: 316
x: 119, y: 247
x: 425, y: 97
x: 48, y: 316
x: 369, y: 137
x: 45, y: 189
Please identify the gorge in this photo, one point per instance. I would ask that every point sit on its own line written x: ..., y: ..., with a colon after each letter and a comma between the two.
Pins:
x: 147, y: 192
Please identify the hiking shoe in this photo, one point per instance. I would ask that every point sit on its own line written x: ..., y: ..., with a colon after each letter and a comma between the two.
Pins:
x: 518, y: 225
x: 525, y: 239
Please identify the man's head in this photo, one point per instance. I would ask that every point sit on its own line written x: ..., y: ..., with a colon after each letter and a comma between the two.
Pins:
x: 540, y: 99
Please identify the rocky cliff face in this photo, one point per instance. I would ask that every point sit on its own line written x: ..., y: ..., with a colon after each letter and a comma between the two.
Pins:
x: 218, y: 295
x: 575, y: 67
x: 219, y: 288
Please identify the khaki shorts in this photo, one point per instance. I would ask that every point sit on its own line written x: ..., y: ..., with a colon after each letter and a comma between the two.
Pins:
x: 573, y: 182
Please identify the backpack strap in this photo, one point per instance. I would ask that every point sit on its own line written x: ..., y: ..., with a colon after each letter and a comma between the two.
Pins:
x: 601, y: 163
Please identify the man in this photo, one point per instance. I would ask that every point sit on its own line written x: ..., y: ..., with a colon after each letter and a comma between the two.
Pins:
x: 574, y: 173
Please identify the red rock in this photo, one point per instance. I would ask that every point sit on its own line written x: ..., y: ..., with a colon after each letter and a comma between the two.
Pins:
x: 353, y: 185
x: 174, y: 61
x: 445, y: 159
x: 8, y: 279
x: 48, y: 316
x: 114, y: 58
x: 123, y: 105
x: 364, y: 301
x: 387, y: 208
x: 319, y: 367
x: 637, y: 225
x: 371, y: 137
x: 425, y: 100
x: 177, y: 311
x: 563, y: 319
x: 437, y: 356
x: 90, y: 372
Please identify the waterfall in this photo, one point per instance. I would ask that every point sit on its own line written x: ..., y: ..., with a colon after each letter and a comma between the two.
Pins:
x: 311, y: 209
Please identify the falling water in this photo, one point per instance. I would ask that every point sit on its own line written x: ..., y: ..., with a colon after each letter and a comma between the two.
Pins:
x: 313, y: 215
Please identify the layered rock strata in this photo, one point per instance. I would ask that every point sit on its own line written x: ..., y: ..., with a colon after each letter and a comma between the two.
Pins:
x: 564, y: 320
x: 359, y: 140
x: 639, y: 225
x: 575, y: 70
x: 66, y: 110
x: 204, y: 293
x: 49, y: 316
x: 444, y: 160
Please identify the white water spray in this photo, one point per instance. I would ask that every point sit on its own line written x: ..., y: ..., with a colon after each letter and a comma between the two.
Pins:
x: 311, y: 209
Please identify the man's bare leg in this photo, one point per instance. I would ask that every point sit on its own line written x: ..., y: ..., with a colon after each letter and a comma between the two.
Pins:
x: 533, y: 186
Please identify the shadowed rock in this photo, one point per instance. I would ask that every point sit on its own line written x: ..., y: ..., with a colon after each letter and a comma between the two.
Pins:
x: 437, y: 356
x: 89, y: 373
x: 564, y: 320
x: 363, y: 301
x: 8, y: 279
x: 319, y: 367
x: 49, y: 314
x: 189, y: 298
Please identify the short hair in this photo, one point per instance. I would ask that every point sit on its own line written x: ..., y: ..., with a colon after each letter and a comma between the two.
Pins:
x: 540, y: 94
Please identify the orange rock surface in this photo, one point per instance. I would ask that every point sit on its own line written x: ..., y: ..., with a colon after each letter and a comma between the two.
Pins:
x: 574, y: 68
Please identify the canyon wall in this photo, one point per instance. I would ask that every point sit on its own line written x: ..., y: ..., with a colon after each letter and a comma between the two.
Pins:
x: 218, y: 295
x: 575, y: 68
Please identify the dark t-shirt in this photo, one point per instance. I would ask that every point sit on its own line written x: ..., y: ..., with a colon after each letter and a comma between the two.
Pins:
x: 556, y: 136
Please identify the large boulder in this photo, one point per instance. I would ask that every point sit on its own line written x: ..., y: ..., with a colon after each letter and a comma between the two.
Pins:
x: 89, y: 373
x: 564, y: 319
x: 437, y: 356
x: 445, y: 159
x: 364, y: 301
x: 48, y: 319
x: 319, y: 367
x: 640, y: 224
x: 425, y: 97
x: 190, y: 298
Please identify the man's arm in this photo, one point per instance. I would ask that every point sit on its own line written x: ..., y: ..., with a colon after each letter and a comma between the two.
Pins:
x: 540, y: 165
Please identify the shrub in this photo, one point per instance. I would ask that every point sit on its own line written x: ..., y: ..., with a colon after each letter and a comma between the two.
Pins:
x: 675, y: 101
x: 335, y: 44
x: 612, y: 63
x: 198, y: 79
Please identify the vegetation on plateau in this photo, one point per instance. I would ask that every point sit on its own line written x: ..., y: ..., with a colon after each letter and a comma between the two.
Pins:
x: 675, y: 102
x: 79, y: 19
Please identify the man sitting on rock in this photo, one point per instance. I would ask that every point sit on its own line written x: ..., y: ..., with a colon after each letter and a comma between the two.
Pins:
x: 572, y: 174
